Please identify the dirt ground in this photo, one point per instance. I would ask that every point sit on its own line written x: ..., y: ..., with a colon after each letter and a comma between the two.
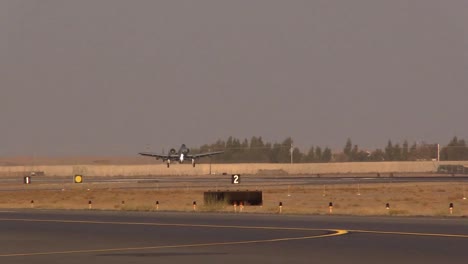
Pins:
x: 407, y: 199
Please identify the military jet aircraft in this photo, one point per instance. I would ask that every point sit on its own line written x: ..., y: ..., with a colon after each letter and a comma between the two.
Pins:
x: 181, y: 155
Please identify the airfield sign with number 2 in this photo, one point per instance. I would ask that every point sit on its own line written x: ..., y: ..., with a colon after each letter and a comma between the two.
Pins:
x: 235, y: 179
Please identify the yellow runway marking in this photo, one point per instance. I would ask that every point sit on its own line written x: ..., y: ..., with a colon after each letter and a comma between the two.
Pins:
x: 233, y: 227
x: 162, y: 224
x: 335, y: 233
x: 407, y: 233
x: 339, y: 232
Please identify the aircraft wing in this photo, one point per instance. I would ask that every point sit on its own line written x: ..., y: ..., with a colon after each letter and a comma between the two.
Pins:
x: 206, y: 154
x: 159, y: 156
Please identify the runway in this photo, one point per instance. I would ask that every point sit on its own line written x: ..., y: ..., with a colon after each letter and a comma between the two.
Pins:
x: 219, y: 181
x: 143, y: 237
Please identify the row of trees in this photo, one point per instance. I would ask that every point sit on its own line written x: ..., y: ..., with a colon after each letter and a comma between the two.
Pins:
x: 455, y: 150
x: 392, y: 152
x: 256, y: 150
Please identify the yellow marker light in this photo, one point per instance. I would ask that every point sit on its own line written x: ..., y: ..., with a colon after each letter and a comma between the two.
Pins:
x: 78, y: 179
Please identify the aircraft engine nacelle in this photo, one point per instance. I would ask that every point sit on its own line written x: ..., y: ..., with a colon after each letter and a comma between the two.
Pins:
x: 172, y: 151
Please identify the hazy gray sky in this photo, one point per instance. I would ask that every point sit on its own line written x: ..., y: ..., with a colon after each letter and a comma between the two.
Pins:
x: 103, y: 77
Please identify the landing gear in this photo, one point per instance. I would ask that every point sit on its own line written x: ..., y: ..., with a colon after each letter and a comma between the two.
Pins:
x: 168, y: 163
x: 193, y: 163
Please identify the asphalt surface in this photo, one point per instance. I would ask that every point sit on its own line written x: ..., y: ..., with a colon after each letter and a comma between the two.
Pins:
x: 32, y: 236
